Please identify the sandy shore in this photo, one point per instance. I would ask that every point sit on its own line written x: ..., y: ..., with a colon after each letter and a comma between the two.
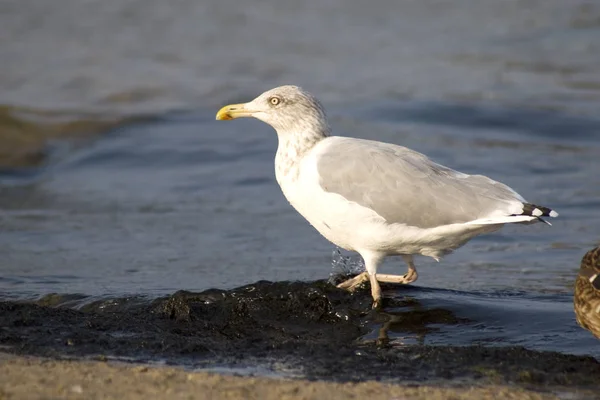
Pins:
x: 37, y: 378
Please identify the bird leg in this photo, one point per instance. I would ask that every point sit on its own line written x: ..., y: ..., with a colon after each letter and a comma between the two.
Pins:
x: 372, y: 261
x: 353, y: 283
x: 375, y: 291
x: 374, y: 278
x: 411, y: 275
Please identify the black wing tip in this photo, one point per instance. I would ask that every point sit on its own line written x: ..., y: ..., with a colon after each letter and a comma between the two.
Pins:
x: 538, y: 211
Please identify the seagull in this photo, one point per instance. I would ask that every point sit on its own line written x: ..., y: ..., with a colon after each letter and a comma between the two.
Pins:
x: 377, y: 199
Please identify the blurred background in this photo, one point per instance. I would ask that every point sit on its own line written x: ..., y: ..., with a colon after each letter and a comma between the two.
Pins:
x: 115, y: 179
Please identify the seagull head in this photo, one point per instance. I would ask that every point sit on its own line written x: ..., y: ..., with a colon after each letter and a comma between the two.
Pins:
x: 288, y: 109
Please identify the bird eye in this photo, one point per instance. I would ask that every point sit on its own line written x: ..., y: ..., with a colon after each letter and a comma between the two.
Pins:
x: 274, y: 100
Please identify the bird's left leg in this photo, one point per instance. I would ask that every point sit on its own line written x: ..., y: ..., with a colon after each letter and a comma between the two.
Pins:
x: 410, y: 276
x: 353, y: 283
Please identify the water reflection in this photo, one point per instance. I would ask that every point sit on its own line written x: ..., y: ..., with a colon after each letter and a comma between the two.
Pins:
x: 587, y: 292
x: 411, y: 322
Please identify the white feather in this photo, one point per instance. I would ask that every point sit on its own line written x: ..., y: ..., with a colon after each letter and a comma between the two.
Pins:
x: 509, y: 219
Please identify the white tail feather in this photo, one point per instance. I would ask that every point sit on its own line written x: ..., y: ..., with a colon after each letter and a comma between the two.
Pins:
x: 508, y: 219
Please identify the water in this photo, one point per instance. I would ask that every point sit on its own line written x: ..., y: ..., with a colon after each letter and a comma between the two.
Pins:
x: 176, y: 200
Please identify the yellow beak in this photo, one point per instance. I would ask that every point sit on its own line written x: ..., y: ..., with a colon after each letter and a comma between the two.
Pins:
x: 233, y: 111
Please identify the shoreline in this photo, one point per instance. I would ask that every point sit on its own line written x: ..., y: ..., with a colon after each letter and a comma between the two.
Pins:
x: 41, y: 378
x: 107, y: 349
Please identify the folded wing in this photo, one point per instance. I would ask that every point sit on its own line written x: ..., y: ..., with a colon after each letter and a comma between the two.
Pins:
x: 406, y: 187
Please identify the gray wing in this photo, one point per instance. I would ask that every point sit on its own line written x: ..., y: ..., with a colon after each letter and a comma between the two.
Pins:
x: 404, y: 186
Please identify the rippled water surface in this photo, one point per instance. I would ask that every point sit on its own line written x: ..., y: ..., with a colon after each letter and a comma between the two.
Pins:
x: 170, y: 199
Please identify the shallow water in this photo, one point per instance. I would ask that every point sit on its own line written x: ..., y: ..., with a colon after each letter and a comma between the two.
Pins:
x: 180, y: 201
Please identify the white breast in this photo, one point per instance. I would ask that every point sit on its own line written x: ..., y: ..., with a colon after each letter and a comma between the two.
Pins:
x: 340, y: 221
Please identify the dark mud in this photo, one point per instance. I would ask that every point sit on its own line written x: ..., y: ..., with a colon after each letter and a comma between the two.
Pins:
x: 310, y: 330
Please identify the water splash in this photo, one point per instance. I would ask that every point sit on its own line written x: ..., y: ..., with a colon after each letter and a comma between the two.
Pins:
x: 344, y: 265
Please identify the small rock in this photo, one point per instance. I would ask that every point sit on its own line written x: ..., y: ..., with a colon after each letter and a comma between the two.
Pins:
x: 77, y: 389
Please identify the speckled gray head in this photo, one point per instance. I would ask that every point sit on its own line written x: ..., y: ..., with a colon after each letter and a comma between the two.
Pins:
x: 289, y: 109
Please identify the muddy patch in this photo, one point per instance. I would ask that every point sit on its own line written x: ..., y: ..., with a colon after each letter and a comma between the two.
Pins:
x: 312, y: 330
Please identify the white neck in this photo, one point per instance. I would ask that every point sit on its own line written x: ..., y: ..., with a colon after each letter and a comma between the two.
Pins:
x: 292, y: 149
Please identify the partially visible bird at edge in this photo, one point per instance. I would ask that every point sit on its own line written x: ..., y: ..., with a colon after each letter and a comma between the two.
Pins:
x: 378, y: 199
x: 587, y: 292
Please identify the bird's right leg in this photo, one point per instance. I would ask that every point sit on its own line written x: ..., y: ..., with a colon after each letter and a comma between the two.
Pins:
x: 372, y: 261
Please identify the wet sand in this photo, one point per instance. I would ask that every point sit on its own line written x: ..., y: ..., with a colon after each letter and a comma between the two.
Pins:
x: 37, y: 378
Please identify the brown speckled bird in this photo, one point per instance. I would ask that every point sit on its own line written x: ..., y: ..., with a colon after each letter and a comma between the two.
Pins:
x: 587, y: 292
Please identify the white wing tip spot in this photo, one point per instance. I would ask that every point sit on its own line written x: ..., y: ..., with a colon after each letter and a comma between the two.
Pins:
x: 553, y: 214
x: 537, y: 212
